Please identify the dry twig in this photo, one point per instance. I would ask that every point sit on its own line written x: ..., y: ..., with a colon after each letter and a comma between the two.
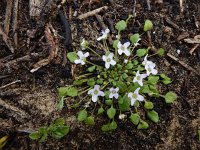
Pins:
x: 15, y: 22
x: 6, y: 40
x: 9, y: 84
x: 8, y: 16
x: 193, y: 49
x: 92, y: 13
x: 182, y: 63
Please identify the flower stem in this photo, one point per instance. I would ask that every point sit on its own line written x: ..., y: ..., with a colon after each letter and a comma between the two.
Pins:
x: 84, y: 75
x: 93, y: 51
x: 84, y: 91
x: 92, y: 63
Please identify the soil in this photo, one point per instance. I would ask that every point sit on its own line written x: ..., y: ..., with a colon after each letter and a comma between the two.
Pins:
x: 31, y: 102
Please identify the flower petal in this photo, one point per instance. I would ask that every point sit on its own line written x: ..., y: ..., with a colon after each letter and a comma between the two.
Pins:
x: 100, y: 38
x: 107, y: 65
x: 154, y: 72
x: 116, y: 95
x: 107, y: 31
x: 91, y: 91
x: 86, y: 54
x: 78, y: 61
x: 133, y: 101
x: 127, y: 52
x: 140, y: 98
x: 104, y: 57
x: 113, y: 62
x: 130, y: 95
x: 127, y: 44
x: 111, y: 55
x: 119, y: 45
x: 101, y: 93
x: 111, y: 95
x: 120, y: 51
x: 137, y: 91
x: 94, y: 98
x: 96, y: 87
x: 80, y: 54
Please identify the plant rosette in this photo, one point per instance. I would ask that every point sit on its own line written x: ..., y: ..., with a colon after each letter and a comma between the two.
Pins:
x: 121, y: 83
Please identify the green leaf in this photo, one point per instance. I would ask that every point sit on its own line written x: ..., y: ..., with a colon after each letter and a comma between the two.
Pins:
x: 60, y: 132
x: 122, y: 86
x: 113, y: 125
x: 34, y: 136
x: 121, y: 25
x: 92, y: 68
x: 134, y: 118
x: 100, y: 111
x: 166, y: 79
x: 145, y: 89
x: 153, y: 116
x: 89, y: 120
x: 199, y: 135
x: 44, y: 133
x: 134, y: 38
x: 105, y: 128
x: 60, y: 103
x: 108, y: 102
x: 59, y: 121
x: 100, y: 81
x: 111, y: 112
x: 129, y: 66
x: 160, y: 52
x: 115, y: 42
x: 148, y: 105
x: 72, y: 56
x: 141, y: 52
x: 76, y: 105
x: 124, y: 103
x: 67, y: 91
x: 91, y: 82
x: 79, y: 82
x: 153, y: 79
x: 82, y: 115
x: 142, y: 125
x: 72, y: 92
x: 170, y: 97
x: 148, y: 25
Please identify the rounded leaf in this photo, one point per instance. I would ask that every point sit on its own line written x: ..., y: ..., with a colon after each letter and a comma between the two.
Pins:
x: 111, y: 112
x: 134, y: 118
x: 148, y: 25
x: 170, y: 97
x: 82, y: 115
x: 153, y: 116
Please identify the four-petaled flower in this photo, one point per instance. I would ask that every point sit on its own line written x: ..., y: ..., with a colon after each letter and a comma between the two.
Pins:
x: 139, y: 77
x: 149, y: 66
x: 135, y: 96
x: 123, y: 48
x: 114, y: 92
x: 96, y: 92
x: 109, y: 60
x: 82, y: 58
x: 104, y: 35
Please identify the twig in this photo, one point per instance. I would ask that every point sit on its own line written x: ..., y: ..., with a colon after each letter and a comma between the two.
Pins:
x: 181, y: 5
x: 92, y: 13
x: 9, y: 84
x: 172, y: 23
x: 182, y: 63
x: 8, y: 16
x: 52, y: 52
x: 15, y: 22
x: 193, y: 49
x: 6, y: 40
x: 148, y: 5
x: 35, y: 7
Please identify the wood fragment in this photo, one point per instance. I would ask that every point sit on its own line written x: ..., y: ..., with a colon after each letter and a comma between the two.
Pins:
x: 9, y: 84
x: 8, y: 16
x: 181, y: 5
x: 148, y: 5
x: 15, y: 22
x: 92, y: 13
x: 183, y: 36
x: 6, y: 40
x: 35, y: 7
x: 53, y: 50
x: 195, y: 40
x: 182, y: 63
x: 20, y: 113
x: 193, y: 49
x: 172, y: 23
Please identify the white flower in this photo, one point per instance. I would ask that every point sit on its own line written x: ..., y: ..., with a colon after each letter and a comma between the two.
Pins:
x: 82, y: 58
x: 95, y: 92
x: 135, y: 96
x: 114, y: 93
x: 123, y: 48
x: 150, y: 68
x: 139, y: 77
x: 109, y: 60
x: 125, y: 61
x: 87, y: 104
x: 104, y: 35
x: 84, y: 44
x: 122, y: 116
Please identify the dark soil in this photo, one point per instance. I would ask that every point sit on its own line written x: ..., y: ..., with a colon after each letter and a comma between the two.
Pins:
x: 31, y: 103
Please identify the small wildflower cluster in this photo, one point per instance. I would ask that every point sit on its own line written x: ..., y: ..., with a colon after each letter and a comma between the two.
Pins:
x: 121, y: 84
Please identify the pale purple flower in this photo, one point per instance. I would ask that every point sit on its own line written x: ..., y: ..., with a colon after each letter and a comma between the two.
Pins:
x: 96, y: 92
x: 123, y: 48
x: 82, y: 58
x: 139, y: 77
x: 135, y: 96
x: 109, y: 60
x: 114, y: 93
